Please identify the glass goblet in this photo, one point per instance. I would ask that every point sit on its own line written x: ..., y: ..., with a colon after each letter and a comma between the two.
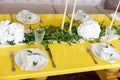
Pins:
x: 39, y: 35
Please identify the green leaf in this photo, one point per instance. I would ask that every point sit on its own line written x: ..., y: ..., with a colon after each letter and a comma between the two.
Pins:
x: 36, y: 54
x: 29, y: 51
x: 111, y: 54
x: 35, y: 63
x: 11, y: 42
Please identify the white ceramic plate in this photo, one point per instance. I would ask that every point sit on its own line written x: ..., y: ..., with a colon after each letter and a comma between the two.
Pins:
x: 117, y: 16
x: 35, y: 50
x: 96, y: 49
x: 27, y: 17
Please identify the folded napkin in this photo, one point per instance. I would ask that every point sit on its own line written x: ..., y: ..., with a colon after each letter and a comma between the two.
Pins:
x: 117, y: 16
x: 82, y: 16
x: 32, y: 59
x: 105, y: 52
x: 27, y: 17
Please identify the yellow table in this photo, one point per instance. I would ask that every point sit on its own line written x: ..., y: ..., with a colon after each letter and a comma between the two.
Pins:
x: 68, y: 58
x: 5, y: 17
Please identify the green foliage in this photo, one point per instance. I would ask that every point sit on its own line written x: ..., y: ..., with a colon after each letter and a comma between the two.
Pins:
x: 11, y: 42
x: 35, y: 63
x: 55, y: 33
x: 117, y: 30
x: 59, y: 35
x: 29, y: 38
x: 103, y: 29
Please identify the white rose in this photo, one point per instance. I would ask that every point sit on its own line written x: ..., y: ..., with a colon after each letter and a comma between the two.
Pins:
x: 4, y: 37
x: 89, y: 30
x: 6, y: 23
x: 11, y: 32
x: 18, y: 38
x: 18, y: 31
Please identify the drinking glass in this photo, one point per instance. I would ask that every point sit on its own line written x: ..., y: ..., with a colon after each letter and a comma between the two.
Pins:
x: 39, y: 35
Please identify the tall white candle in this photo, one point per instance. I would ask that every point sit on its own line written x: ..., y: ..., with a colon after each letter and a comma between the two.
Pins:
x: 66, y: 5
x: 107, y: 33
x: 114, y: 15
x: 71, y: 22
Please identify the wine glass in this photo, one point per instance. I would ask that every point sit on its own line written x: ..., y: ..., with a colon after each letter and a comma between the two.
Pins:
x: 39, y: 35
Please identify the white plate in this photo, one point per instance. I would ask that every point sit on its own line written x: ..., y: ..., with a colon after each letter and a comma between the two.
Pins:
x: 27, y: 17
x: 97, y: 48
x: 117, y: 16
x: 35, y: 50
x: 82, y: 16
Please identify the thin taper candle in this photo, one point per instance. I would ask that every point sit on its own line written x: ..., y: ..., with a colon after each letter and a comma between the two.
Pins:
x: 66, y: 5
x: 71, y: 22
x: 107, y: 33
x: 114, y: 15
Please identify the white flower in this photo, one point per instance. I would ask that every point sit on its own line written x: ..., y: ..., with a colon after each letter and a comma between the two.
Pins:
x: 89, y: 30
x: 7, y: 22
x: 11, y: 32
x: 17, y: 30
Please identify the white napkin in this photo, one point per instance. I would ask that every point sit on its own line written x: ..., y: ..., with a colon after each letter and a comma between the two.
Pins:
x: 105, y: 52
x: 27, y: 17
x: 117, y: 16
x: 32, y: 61
x: 82, y: 16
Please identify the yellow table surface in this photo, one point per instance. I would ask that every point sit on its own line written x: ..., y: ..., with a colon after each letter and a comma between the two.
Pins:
x: 68, y: 58
x: 47, y: 19
x: 5, y: 17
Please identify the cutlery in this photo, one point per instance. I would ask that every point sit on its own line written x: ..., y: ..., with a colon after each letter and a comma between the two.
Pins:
x: 89, y: 51
x: 51, y: 57
x: 11, y: 17
x: 112, y: 45
x: 11, y: 55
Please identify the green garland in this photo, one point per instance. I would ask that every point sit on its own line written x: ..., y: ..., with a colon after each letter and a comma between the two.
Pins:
x: 55, y: 33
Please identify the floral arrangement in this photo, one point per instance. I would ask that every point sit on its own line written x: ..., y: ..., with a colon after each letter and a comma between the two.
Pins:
x: 11, y: 33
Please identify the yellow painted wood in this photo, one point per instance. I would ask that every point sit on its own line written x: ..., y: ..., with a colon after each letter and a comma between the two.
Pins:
x: 116, y: 23
x: 47, y: 19
x: 105, y: 75
x: 101, y: 18
x: 5, y: 17
x: 42, y: 78
x: 68, y: 58
x: 75, y: 57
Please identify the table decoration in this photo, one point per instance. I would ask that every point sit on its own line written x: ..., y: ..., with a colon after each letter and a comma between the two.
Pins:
x: 65, y: 11
x: 56, y: 34
x: 89, y: 30
x: 117, y: 17
x: 105, y: 52
x: 27, y: 17
x: 89, y: 51
x: 109, y: 29
x: 11, y: 33
x: 31, y: 59
x: 81, y: 16
x: 39, y: 35
x: 74, y: 58
x: 71, y: 21
x: 11, y: 55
